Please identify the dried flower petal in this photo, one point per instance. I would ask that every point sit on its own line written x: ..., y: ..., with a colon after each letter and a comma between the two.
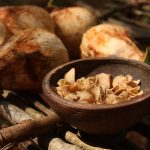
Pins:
x: 104, y: 80
x: 70, y: 75
x: 95, y: 92
x: 111, y: 99
x: 124, y: 95
x: 84, y: 95
x: 118, y: 80
x: 134, y: 83
x: 71, y: 96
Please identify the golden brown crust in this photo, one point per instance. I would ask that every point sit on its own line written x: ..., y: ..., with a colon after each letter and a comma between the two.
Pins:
x: 70, y: 24
x: 106, y: 39
x: 18, y: 18
x: 27, y: 57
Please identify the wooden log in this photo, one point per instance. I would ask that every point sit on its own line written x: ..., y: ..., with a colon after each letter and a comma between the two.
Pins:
x: 28, y: 129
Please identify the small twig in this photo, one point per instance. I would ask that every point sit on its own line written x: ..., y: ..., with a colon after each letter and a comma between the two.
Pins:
x: 35, y: 102
x: 41, y: 107
x: 137, y: 23
x: 12, y: 98
x: 119, y: 9
x: 108, y: 14
x: 139, y: 12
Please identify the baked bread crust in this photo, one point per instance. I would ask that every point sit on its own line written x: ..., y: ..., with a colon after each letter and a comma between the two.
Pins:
x: 26, y: 58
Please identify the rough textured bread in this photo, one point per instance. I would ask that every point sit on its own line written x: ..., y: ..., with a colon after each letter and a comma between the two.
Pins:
x: 18, y: 18
x: 106, y: 40
x: 27, y: 57
x: 70, y: 24
x: 4, y: 33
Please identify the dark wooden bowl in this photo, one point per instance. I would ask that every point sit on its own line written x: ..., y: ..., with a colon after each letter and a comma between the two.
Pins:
x: 100, y: 119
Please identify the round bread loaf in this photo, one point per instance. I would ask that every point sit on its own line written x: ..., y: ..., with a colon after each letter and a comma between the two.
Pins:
x: 18, y: 18
x: 107, y: 40
x: 27, y: 57
x: 70, y: 24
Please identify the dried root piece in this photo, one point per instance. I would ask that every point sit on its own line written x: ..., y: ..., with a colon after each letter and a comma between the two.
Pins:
x: 13, y: 113
x: 74, y: 139
x: 101, y: 89
x: 58, y: 144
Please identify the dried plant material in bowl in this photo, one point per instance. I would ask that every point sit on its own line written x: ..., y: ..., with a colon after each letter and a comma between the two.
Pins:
x: 99, y: 89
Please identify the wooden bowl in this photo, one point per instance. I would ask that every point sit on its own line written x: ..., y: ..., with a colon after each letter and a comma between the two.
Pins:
x: 97, y: 118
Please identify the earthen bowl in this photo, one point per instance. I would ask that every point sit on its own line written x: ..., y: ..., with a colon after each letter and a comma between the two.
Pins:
x: 94, y: 118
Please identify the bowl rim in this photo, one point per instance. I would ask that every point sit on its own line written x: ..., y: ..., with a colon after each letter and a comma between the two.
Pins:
x: 53, y: 96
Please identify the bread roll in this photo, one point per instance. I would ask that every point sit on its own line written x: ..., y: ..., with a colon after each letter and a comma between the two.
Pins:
x: 70, y: 24
x: 27, y: 57
x: 18, y: 18
x: 107, y: 40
